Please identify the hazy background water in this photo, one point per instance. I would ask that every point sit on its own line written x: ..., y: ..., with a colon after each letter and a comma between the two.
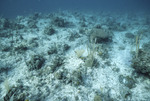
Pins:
x: 12, y: 8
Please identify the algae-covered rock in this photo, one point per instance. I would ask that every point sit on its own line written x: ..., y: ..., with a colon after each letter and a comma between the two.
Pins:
x: 127, y: 81
x: 142, y: 63
x: 18, y: 93
x: 36, y: 62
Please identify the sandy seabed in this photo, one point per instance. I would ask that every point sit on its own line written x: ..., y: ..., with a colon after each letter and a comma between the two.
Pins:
x: 53, y: 57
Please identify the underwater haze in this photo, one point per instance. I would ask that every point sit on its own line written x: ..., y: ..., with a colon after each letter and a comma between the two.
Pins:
x: 9, y: 8
x: 74, y: 50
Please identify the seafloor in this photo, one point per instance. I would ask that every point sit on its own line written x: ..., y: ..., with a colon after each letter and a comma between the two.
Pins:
x: 75, y: 56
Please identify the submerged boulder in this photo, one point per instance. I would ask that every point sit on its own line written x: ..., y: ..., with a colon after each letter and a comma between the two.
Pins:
x: 100, y: 35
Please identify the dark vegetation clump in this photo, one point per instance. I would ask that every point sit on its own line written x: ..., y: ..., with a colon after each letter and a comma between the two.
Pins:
x: 141, y: 57
x: 5, y: 23
x: 21, y: 48
x: 98, y: 26
x: 16, y: 94
x: 49, y: 30
x: 32, y: 23
x: 62, y: 75
x: 33, y: 42
x: 36, y: 62
x: 56, y: 63
x: 6, y: 48
x: 73, y: 35
x: 142, y: 63
x: 76, y: 78
x: 5, y: 33
x: 9, y: 24
x: 4, y: 70
x: 66, y: 47
x: 52, y: 50
x: 60, y: 22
